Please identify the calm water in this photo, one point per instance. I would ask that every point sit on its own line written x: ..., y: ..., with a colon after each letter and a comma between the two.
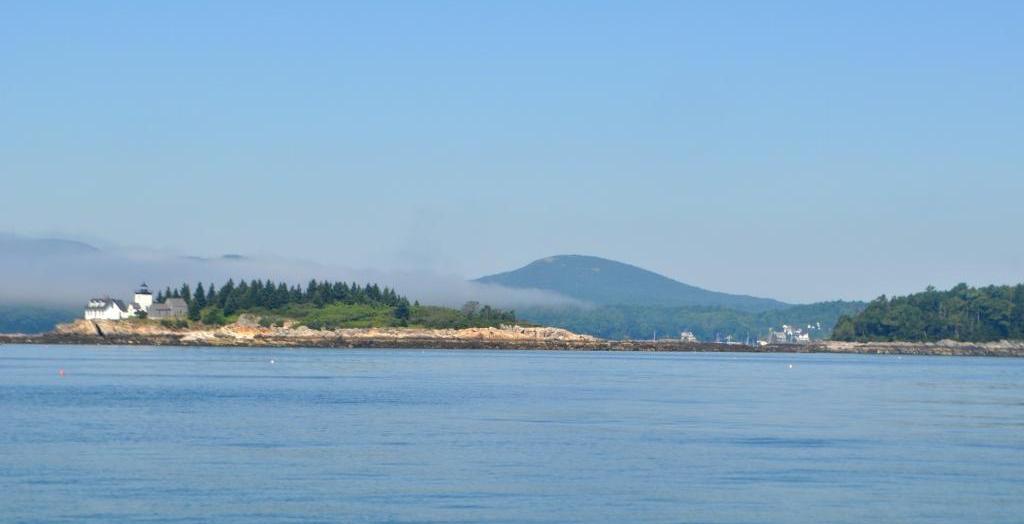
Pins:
x: 172, y: 435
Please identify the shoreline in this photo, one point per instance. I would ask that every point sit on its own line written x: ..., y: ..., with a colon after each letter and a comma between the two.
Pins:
x: 327, y: 341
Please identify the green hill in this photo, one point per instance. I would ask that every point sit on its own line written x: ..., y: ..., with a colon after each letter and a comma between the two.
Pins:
x: 606, y: 282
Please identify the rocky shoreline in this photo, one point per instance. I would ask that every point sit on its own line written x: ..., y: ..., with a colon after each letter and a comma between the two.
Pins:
x: 248, y: 334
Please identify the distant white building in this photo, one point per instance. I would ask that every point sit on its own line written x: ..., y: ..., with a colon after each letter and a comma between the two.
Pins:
x: 688, y: 336
x: 790, y: 335
x: 105, y: 309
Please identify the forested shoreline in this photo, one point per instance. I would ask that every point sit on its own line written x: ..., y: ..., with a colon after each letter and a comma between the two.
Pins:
x: 963, y: 313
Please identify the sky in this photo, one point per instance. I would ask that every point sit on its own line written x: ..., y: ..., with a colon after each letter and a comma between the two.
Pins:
x: 802, y: 151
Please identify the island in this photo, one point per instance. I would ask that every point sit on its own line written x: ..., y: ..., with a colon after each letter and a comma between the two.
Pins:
x: 340, y: 315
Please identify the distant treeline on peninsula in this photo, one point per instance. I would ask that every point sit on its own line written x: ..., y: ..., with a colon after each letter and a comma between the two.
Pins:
x: 963, y: 313
x: 325, y: 304
x: 708, y: 323
x: 232, y: 298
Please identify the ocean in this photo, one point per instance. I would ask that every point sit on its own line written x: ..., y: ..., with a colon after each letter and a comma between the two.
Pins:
x: 102, y: 434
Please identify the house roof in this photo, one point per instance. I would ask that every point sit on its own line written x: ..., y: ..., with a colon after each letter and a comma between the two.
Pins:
x: 170, y: 303
x: 104, y: 303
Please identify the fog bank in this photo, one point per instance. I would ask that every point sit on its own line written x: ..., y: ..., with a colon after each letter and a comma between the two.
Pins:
x: 69, y: 273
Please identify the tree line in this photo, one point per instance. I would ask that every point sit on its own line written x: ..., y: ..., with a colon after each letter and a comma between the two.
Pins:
x: 962, y: 313
x: 311, y: 305
x: 232, y: 298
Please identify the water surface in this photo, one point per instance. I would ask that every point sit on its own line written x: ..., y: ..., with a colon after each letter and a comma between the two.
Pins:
x: 205, y: 434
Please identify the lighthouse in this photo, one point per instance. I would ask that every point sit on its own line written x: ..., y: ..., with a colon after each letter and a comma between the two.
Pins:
x: 143, y: 298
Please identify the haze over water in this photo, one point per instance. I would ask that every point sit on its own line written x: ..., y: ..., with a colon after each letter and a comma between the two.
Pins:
x: 204, y: 434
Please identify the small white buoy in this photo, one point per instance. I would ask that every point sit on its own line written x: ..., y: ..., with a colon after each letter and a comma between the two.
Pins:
x: 791, y: 366
x: 271, y: 361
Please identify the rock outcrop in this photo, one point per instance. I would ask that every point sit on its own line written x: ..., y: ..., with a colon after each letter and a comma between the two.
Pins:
x: 1002, y: 348
x: 248, y: 333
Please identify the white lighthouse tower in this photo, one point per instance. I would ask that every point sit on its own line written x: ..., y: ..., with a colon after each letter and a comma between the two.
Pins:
x: 143, y: 298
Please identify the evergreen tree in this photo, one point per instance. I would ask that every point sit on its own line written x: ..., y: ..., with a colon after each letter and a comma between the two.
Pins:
x: 194, y: 311
x: 241, y: 294
x: 255, y: 292
x: 281, y: 296
x: 310, y: 290
x: 339, y: 291
x: 231, y: 304
x: 200, y: 296
x: 402, y: 312
x: 225, y: 291
x: 267, y: 291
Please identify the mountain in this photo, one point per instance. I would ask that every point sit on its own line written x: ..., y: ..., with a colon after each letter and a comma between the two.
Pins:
x: 606, y: 282
x: 14, y: 245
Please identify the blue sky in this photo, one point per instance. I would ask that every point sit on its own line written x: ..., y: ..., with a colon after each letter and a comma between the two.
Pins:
x: 798, y: 150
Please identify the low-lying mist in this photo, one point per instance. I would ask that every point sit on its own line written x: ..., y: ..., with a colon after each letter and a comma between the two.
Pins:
x: 53, y: 272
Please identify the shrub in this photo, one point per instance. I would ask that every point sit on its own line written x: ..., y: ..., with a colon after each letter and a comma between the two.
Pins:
x: 214, y: 316
x: 174, y: 323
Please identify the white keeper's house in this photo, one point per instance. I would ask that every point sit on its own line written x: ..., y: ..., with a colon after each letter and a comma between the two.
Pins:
x: 105, y: 309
